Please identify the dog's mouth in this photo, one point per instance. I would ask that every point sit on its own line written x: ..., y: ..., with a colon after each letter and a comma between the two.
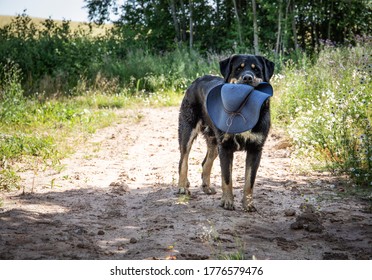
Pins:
x: 248, y: 80
x: 247, y: 77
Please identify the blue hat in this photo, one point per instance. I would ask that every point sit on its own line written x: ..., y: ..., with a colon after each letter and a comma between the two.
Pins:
x: 235, y: 108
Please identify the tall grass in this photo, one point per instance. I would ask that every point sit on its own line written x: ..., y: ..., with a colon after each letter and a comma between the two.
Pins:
x: 327, y: 110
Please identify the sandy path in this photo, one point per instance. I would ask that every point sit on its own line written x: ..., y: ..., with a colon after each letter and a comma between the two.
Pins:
x: 115, y: 199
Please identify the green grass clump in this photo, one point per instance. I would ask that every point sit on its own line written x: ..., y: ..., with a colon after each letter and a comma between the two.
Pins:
x: 327, y: 110
x: 34, y: 130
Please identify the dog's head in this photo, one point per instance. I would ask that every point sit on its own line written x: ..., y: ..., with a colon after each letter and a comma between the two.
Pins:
x: 246, y: 69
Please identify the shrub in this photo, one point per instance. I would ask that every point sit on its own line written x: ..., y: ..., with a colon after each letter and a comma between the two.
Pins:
x: 327, y: 109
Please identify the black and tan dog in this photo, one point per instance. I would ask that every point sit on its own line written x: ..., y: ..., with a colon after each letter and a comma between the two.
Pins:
x: 194, y: 119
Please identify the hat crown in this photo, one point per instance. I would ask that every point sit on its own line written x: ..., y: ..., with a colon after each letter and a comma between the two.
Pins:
x: 234, y: 95
x: 235, y: 108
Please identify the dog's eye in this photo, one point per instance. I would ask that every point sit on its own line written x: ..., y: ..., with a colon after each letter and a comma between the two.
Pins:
x: 255, y: 68
x: 240, y: 67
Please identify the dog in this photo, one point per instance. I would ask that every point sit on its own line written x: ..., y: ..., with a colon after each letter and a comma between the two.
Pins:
x: 194, y: 119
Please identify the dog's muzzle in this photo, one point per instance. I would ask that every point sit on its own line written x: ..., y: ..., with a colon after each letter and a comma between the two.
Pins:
x: 249, y: 78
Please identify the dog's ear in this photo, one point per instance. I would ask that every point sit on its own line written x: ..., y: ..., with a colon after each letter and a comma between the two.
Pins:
x: 268, y: 67
x: 225, y: 67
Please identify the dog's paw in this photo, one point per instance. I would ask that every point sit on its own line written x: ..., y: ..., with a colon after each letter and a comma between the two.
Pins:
x: 227, y: 204
x: 183, y: 191
x: 248, y: 206
x: 208, y: 190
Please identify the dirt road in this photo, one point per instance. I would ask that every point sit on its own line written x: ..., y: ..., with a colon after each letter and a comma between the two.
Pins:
x: 115, y: 199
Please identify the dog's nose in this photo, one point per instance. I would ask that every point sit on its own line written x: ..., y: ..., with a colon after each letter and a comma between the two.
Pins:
x: 247, y: 78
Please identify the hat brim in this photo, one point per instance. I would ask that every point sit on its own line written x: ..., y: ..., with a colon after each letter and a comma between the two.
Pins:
x: 248, y: 116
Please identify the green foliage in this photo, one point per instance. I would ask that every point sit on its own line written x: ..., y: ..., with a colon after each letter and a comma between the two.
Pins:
x: 327, y: 108
x: 219, y: 25
x: 53, y: 59
x: 9, y: 179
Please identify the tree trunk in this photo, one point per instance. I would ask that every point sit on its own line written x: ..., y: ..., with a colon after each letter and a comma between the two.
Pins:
x: 255, y: 28
x: 183, y: 22
x: 277, y: 47
x: 191, y: 25
x: 294, y: 29
x: 330, y: 22
x: 218, y: 11
x: 175, y: 21
x: 238, y: 22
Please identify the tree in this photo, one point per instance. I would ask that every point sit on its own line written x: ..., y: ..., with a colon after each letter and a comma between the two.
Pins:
x: 255, y: 28
x: 175, y: 20
x: 277, y: 47
x: 191, y: 40
x: 214, y: 25
x: 238, y: 22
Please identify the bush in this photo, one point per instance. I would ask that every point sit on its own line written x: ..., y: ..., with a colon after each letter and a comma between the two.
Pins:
x: 327, y: 109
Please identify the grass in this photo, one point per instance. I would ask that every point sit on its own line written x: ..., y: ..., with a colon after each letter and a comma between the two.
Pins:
x: 239, y: 255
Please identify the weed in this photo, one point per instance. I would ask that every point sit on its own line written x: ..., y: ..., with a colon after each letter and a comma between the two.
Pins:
x: 239, y: 255
x: 9, y: 179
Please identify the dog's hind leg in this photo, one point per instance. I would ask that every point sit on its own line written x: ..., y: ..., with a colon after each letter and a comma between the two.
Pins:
x: 251, y: 167
x: 207, y: 165
x: 187, y: 135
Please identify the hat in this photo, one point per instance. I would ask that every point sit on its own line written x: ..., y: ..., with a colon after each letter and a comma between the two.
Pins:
x: 235, y: 108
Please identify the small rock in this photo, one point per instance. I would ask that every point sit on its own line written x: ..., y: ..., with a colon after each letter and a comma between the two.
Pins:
x: 309, y: 222
x: 282, y: 144
x: 290, y: 212
x: 315, y: 227
x: 297, y: 225
x: 101, y: 232
x: 133, y: 240
x: 119, y: 187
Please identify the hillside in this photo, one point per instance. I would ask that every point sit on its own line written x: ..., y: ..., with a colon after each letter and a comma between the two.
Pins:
x: 74, y: 25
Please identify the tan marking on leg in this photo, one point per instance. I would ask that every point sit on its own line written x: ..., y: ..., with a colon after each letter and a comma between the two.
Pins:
x: 227, y: 200
x: 183, y: 182
x: 207, y: 168
x: 248, y: 192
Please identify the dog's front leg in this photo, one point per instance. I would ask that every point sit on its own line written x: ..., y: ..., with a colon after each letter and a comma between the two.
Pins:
x: 251, y: 166
x: 226, y: 160
x: 207, y: 167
